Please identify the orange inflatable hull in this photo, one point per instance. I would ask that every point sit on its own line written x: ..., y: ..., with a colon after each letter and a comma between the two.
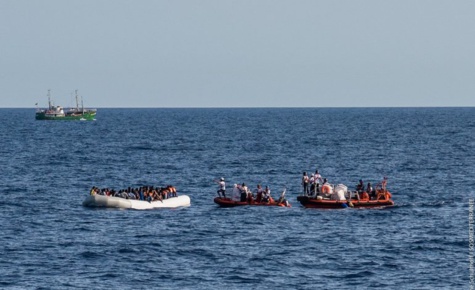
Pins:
x: 309, y: 202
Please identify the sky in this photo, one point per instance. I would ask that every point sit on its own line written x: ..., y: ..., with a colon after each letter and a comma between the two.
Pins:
x: 243, y: 53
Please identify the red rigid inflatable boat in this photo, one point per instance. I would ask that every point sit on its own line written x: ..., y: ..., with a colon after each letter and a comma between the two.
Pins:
x: 227, y: 202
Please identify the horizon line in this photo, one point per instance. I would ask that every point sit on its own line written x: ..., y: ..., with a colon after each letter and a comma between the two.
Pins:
x: 262, y: 107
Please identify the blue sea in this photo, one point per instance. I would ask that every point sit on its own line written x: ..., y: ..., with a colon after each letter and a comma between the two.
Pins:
x: 48, y: 240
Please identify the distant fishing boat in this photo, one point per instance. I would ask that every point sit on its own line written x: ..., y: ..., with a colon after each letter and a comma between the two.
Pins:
x: 58, y: 113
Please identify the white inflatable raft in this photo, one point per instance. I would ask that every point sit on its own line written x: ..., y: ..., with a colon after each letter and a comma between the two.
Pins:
x: 118, y: 202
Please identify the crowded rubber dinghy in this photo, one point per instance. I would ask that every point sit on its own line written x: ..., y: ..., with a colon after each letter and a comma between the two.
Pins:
x: 145, y: 197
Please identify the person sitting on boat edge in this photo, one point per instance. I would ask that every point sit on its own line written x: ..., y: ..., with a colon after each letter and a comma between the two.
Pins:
x: 165, y: 192
x: 282, y: 200
x: 221, y: 187
x: 131, y: 194
x: 123, y: 194
x: 172, y: 190
x: 266, y: 197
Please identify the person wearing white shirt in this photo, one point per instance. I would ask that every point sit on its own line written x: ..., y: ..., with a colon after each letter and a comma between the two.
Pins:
x: 221, y: 187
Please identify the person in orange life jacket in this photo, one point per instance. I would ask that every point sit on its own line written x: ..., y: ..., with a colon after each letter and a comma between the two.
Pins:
x: 364, y: 196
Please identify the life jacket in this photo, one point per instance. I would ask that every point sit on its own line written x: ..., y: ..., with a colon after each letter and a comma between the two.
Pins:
x: 364, y: 196
x: 326, y: 188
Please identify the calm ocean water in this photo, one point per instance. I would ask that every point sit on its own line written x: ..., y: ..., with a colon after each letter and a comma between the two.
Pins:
x: 49, y: 241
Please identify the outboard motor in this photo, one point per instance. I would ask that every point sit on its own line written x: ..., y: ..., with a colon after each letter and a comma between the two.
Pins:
x: 340, y: 192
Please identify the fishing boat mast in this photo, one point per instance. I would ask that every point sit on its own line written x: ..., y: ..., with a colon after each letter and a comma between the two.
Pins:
x: 49, y: 99
x: 77, y: 104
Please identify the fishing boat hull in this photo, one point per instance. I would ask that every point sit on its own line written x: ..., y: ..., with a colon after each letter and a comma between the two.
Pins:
x: 310, y: 202
x: 227, y: 202
x: 76, y: 117
x: 118, y: 202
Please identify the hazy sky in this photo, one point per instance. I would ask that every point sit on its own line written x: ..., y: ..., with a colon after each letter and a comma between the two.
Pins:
x: 238, y: 53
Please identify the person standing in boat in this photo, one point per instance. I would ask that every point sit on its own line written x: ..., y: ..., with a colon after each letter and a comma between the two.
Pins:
x: 244, y: 193
x: 305, y: 181
x: 236, y: 192
x: 312, y: 184
x: 380, y: 189
x: 382, y: 185
x: 221, y: 187
x: 318, y: 177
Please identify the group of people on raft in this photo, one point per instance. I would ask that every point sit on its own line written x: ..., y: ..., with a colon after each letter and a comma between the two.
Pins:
x: 146, y: 193
x: 242, y: 193
x: 315, y: 185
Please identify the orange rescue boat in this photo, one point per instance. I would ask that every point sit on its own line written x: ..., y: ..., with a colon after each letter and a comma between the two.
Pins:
x: 383, y: 199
